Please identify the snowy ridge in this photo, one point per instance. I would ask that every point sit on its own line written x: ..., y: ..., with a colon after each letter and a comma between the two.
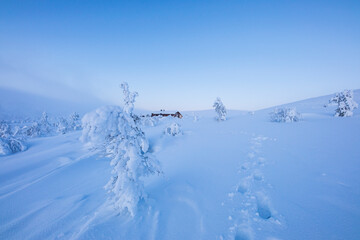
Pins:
x: 313, y: 105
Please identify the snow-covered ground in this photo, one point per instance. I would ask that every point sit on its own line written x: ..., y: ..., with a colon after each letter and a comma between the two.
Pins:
x: 244, y: 178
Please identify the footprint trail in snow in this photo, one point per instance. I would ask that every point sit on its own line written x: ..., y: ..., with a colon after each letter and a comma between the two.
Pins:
x: 251, y: 214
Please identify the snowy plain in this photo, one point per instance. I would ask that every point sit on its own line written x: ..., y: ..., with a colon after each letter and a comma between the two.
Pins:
x: 244, y: 178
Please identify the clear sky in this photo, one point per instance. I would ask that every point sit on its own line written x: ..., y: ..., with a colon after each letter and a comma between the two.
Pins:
x: 181, y: 55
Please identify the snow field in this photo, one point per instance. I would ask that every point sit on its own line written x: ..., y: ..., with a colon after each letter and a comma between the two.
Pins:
x: 243, y: 178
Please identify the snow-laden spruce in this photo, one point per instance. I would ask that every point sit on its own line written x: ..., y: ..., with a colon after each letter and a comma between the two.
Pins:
x: 220, y: 109
x: 114, y: 130
x: 173, y: 130
x: 285, y: 115
x: 345, y: 103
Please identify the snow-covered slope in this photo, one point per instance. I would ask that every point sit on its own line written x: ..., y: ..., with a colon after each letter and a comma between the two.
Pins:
x: 16, y: 104
x: 245, y: 178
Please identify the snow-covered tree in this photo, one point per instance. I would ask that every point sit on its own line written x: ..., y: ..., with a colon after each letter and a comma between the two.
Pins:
x: 114, y: 130
x: 129, y: 99
x: 33, y: 130
x: 45, y: 126
x: 4, y: 129
x: 220, y: 109
x: 74, y: 121
x: 38, y: 128
x: 173, y: 130
x: 62, y: 126
x: 65, y: 125
x: 345, y: 103
x: 285, y: 115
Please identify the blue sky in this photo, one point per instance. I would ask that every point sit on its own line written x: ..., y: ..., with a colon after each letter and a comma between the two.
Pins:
x: 181, y: 55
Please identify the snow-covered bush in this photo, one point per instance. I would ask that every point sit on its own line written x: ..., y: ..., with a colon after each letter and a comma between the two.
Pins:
x: 220, y: 109
x: 101, y: 126
x: 114, y: 130
x: 74, y: 122
x: 4, y: 129
x: 195, y: 117
x: 9, y: 143
x: 345, y: 103
x: 17, y: 131
x: 173, y: 130
x: 149, y: 121
x: 13, y: 135
x: 33, y: 130
x: 285, y: 115
x: 38, y: 128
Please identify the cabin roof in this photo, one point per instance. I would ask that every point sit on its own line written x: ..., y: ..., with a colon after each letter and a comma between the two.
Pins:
x: 165, y: 112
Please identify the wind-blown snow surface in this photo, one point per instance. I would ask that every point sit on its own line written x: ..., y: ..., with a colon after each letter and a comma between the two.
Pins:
x: 244, y: 178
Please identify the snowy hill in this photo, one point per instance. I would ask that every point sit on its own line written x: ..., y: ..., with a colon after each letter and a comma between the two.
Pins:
x: 244, y: 178
x: 315, y: 105
x: 16, y: 104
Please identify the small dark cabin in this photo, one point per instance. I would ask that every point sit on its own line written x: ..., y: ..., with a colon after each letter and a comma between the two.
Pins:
x: 177, y: 114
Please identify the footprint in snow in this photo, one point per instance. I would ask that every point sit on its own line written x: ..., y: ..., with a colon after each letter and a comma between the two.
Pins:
x: 263, y: 206
x: 242, y: 187
x: 243, y: 233
x: 258, y: 176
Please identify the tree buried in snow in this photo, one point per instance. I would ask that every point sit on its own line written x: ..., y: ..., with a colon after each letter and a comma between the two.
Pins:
x: 114, y: 130
x: 220, y: 109
x: 285, y: 115
x: 345, y: 103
